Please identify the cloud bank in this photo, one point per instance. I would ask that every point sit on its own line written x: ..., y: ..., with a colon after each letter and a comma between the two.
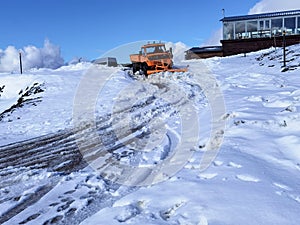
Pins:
x: 32, y: 57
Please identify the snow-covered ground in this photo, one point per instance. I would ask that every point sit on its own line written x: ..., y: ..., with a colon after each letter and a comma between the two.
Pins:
x: 253, y: 180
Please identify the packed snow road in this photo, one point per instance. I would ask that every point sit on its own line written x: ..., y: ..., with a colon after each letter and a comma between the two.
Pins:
x: 55, y: 153
x: 53, y: 179
x: 129, y: 124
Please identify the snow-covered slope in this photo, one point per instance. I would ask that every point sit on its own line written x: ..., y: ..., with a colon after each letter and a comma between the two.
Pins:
x: 253, y: 180
x: 48, y: 111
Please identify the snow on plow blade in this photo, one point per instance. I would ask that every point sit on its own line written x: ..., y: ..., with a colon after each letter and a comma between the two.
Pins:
x: 173, y: 70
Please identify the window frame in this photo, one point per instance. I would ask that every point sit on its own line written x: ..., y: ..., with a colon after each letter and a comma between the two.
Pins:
x: 226, y: 34
x: 290, y: 30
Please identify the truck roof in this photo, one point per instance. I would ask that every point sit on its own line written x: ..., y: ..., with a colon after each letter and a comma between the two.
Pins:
x: 153, y: 45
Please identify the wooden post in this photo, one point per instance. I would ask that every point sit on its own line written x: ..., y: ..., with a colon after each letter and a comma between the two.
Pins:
x: 20, y: 57
x: 284, y: 50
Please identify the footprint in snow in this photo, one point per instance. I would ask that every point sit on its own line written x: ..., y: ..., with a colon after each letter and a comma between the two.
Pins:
x: 128, y: 212
x: 234, y: 165
x: 218, y: 163
x: 30, y: 218
x: 296, y: 198
x: 54, y: 204
x: 207, y: 176
x: 282, y: 186
x: 53, y: 220
x: 247, y: 178
x: 284, y: 190
x: 69, y: 192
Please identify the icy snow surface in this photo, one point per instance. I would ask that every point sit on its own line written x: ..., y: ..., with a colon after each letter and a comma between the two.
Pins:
x: 253, y: 180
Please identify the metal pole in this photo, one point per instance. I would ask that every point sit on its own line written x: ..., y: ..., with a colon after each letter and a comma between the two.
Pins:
x: 284, y: 52
x: 20, y: 57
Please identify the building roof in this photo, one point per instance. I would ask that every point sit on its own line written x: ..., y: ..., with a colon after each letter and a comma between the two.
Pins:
x: 105, y: 60
x: 206, y: 49
x: 261, y: 16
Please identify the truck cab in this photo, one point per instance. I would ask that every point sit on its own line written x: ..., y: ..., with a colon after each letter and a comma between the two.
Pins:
x: 152, y: 58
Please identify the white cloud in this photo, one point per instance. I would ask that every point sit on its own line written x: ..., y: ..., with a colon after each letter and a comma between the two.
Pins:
x: 9, y: 59
x: 51, y: 56
x: 265, y: 6
x: 215, y: 38
x: 32, y: 57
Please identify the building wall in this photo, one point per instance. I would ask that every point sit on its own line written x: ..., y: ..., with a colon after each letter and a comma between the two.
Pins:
x: 203, y: 55
x: 233, y: 47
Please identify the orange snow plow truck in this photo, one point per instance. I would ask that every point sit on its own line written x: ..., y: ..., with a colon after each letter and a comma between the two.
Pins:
x: 154, y: 58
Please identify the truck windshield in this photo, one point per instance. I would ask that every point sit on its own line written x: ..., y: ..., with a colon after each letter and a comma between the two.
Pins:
x: 156, y: 49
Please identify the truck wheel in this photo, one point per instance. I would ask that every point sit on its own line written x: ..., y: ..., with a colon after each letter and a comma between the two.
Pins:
x: 145, y: 69
x: 135, y: 68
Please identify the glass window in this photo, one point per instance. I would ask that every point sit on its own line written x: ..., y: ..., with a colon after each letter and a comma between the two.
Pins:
x: 261, y: 25
x: 240, y: 30
x: 252, y: 29
x: 240, y: 27
x: 277, y: 23
x: 298, y: 30
x: 290, y: 25
x: 156, y: 49
x: 277, y: 26
x: 252, y: 26
x: 264, y: 29
x: 267, y: 24
x: 228, y: 32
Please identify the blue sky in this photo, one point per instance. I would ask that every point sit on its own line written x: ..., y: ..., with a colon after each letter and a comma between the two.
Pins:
x: 89, y: 28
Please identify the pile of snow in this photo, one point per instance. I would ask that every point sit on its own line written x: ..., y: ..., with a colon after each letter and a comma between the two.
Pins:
x: 178, y: 51
x: 12, y: 89
x: 49, y: 56
x: 53, y: 111
x: 77, y: 60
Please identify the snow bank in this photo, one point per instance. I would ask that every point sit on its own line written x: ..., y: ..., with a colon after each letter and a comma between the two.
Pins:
x: 11, y: 89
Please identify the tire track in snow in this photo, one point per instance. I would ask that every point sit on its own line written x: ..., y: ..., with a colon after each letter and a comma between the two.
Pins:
x: 59, y: 154
x: 47, y: 152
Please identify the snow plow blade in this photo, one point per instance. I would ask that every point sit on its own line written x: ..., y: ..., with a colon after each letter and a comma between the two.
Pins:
x: 149, y: 72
